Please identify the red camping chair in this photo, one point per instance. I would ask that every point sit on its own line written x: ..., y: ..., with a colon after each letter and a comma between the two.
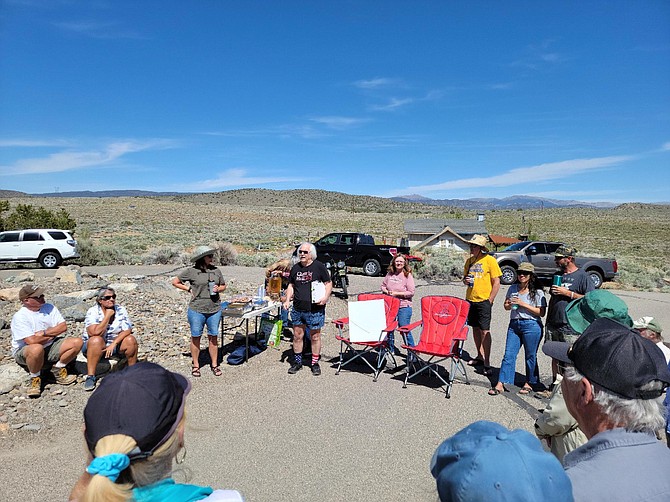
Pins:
x: 359, y: 350
x: 444, y: 331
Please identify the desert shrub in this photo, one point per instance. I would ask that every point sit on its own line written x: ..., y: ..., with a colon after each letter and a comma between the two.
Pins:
x: 162, y: 256
x: 441, y: 265
x: 636, y: 274
x: 28, y: 216
x: 257, y: 259
x: 225, y: 253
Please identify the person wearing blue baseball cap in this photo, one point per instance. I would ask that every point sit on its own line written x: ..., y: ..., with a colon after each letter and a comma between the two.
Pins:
x: 613, y: 385
x: 487, y: 462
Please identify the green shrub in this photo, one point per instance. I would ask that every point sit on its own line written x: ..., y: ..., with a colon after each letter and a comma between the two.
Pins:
x: 162, y: 256
x: 28, y: 216
x: 225, y: 253
x: 257, y: 260
x: 441, y: 265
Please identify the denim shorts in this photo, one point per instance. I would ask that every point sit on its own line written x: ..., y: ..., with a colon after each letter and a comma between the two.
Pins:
x: 197, y: 322
x: 313, y: 320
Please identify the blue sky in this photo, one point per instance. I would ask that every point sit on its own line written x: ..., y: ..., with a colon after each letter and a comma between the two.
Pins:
x: 559, y: 99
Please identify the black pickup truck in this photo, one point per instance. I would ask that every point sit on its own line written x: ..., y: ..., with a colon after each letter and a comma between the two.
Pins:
x: 358, y: 250
x: 541, y: 255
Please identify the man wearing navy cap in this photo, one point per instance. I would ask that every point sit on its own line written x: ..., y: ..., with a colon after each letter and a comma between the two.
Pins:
x: 613, y: 386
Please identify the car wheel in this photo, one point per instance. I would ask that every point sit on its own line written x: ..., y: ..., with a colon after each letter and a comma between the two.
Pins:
x: 372, y: 267
x: 508, y: 274
x: 596, y: 278
x: 50, y: 259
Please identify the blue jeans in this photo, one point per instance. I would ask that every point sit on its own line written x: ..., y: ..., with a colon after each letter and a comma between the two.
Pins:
x: 529, y: 333
x: 404, y: 318
x: 197, y: 322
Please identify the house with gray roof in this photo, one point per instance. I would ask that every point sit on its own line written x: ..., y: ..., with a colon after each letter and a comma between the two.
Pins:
x: 444, y: 233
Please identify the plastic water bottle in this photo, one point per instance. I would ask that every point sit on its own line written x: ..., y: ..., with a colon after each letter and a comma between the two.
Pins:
x: 513, y: 296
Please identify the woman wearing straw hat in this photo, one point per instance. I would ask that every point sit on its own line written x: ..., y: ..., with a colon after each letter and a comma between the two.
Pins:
x: 132, y: 447
x: 204, y: 281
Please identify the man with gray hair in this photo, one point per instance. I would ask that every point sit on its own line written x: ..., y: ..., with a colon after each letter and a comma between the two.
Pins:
x: 651, y: 329
x: 613, y: 385
x: 309, y: 289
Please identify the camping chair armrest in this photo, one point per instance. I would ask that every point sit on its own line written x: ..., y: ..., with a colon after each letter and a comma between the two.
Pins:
x: 340, y: 322
x: 410, y: 327
x: 391, y: 327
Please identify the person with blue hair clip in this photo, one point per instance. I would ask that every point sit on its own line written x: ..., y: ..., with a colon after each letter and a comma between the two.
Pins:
x: 134, y: 429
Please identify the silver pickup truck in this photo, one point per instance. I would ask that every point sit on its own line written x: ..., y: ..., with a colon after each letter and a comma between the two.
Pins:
x: 541, y: 255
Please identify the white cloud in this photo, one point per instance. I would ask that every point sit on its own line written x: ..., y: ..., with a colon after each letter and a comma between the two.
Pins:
x: 392, y: 105
x: 69, y: 160
x: 99, y: 30
x: 31, y: 143
x: 375, y: 83
x: 336, y: 122
x: 236, y: 177
x: 526, y: 175
x: 666, y: 146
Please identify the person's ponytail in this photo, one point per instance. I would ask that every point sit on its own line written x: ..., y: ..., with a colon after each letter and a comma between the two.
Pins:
x: 102, y: 488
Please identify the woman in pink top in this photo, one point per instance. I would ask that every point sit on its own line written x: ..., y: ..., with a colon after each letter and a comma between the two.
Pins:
x: 400, y: 283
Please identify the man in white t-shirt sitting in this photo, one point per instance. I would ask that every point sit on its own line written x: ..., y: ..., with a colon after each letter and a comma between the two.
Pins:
x: 36, y: 330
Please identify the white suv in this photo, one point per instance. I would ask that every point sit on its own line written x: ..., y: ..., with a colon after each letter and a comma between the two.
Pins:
x: 49, y: 246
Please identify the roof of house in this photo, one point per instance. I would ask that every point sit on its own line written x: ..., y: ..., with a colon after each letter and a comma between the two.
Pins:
x: 498, y: 240
x: 431, y: 226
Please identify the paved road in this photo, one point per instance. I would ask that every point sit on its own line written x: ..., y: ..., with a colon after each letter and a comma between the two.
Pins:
x: 278, y: 437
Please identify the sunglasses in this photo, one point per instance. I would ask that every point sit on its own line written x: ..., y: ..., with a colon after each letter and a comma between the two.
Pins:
x: 108, y: 297
x: 523, y: 273
x: 303, y: 252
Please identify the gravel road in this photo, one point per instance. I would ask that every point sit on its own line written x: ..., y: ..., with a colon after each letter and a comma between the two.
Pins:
x: 279, y: 437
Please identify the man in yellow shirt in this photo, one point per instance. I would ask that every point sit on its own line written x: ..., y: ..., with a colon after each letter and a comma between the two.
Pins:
x: 481, y: 275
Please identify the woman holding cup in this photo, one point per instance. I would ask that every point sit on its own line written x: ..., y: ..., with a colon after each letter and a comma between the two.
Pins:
x: 527, y: 305
x: 204, y: 282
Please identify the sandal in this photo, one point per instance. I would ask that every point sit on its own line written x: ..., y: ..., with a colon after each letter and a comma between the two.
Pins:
x: 525, y: 391
x: 475, y: 362
x: 495, y: 392
x: 195, y: 371
x: 216, y: 370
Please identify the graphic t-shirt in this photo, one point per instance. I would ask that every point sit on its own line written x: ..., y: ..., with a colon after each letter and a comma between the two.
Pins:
x: 483, y: 270
x: 579, y: 282
x: 302, y: 277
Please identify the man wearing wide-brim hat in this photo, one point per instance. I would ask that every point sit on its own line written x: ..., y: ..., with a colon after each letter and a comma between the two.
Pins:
x: 481, y: 275
x: 651, y: 329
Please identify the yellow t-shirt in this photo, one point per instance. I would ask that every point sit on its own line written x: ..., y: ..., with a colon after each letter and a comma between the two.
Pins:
x: 484, y: 269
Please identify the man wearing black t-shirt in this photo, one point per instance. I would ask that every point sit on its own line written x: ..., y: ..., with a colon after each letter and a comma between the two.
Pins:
x: 309, y: 287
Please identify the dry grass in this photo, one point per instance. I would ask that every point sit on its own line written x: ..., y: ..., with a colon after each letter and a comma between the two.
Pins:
x: 273, y: 221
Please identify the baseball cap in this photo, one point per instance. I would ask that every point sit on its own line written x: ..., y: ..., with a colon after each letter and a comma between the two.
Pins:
x: 563, y: 251
x: 144, y: 401
x: 648, y: 322
x: 616, y: 358
x: 526, y: 267
x: 486, y: 461
x: 30, y: 291
x: 594, y: 305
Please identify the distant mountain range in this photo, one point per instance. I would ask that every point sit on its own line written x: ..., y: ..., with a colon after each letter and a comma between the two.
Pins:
x: 513, y: 202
